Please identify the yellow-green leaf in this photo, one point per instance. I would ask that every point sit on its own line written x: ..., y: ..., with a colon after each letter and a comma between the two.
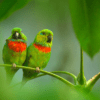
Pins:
x: 7, y: 7
x: 85, y: 16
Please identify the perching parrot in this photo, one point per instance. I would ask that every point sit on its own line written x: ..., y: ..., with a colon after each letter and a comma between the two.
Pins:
x: 38, y: 54
x: 14, y: 52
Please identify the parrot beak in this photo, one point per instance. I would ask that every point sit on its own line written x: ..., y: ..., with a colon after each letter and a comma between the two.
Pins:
x: 49, y: 39
x: 17, y: 35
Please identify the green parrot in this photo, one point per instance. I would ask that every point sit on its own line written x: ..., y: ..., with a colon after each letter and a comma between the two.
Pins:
x: 38, y: 54
x: 14, y: 52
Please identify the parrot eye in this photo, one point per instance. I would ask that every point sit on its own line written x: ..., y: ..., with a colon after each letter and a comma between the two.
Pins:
x: 43, y: 33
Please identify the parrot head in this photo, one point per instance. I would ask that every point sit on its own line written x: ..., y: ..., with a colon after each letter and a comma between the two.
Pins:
x: 17, y: 34
x: 17, y: 40
x: 44, y: 38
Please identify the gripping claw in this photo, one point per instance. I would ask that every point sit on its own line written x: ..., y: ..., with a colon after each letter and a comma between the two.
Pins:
x: 37, y: 69
x: 13, y: 66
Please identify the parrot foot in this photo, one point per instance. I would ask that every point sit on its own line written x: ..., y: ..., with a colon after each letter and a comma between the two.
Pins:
x: 13, y: 66
x: 37, y: 69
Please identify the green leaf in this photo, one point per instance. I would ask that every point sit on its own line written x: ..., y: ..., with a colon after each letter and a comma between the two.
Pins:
x: 85, y: 16
x: 7, y: 7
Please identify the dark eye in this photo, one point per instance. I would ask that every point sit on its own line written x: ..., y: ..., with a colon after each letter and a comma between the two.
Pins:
x: 43, y: 33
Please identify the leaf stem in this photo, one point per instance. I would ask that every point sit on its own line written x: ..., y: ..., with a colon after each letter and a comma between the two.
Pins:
x: 68, y: 73
x: 49, y: 73
x: 81, y: 66
x: 81, y: 78
x: 90, y: 83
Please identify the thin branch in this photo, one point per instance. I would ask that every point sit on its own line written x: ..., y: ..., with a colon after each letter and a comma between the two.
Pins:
x: 63, y: 72
x: 81, y: 66
x: 81, y: 78
x: 90, y: 83
x: 49, y: 73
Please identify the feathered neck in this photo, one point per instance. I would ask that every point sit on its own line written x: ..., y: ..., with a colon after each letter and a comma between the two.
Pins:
x: 42, y: 48
x: 16, y: 46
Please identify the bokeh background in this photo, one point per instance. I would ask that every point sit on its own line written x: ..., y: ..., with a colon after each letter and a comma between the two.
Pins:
x: 65, y: 55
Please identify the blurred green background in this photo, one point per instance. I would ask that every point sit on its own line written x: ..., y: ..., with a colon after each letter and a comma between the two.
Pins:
x: 65, y: 56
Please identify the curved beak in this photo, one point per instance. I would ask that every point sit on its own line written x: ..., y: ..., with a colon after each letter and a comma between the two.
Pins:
x: 17, y: 35
x: 49, y: 39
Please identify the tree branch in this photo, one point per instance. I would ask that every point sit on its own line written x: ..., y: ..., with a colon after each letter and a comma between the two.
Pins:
x: 45, y: 72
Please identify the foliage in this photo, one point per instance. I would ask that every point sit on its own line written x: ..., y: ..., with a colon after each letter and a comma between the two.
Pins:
x: 85, y: 16
x: 7, y: 7
x: 86, y: 22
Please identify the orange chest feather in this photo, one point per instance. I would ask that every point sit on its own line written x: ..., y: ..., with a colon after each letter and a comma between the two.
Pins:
x: 17, y: 46
x: 42, y: 48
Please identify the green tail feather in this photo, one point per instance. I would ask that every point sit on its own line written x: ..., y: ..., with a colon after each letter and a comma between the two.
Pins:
x: 9, y: 78
x: 10, y: 74
x: 28, y: 76
x: 24, y: 81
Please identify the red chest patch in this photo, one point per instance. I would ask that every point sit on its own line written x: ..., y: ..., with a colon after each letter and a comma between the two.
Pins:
x: 17, y: 46
x: 42, y: 48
